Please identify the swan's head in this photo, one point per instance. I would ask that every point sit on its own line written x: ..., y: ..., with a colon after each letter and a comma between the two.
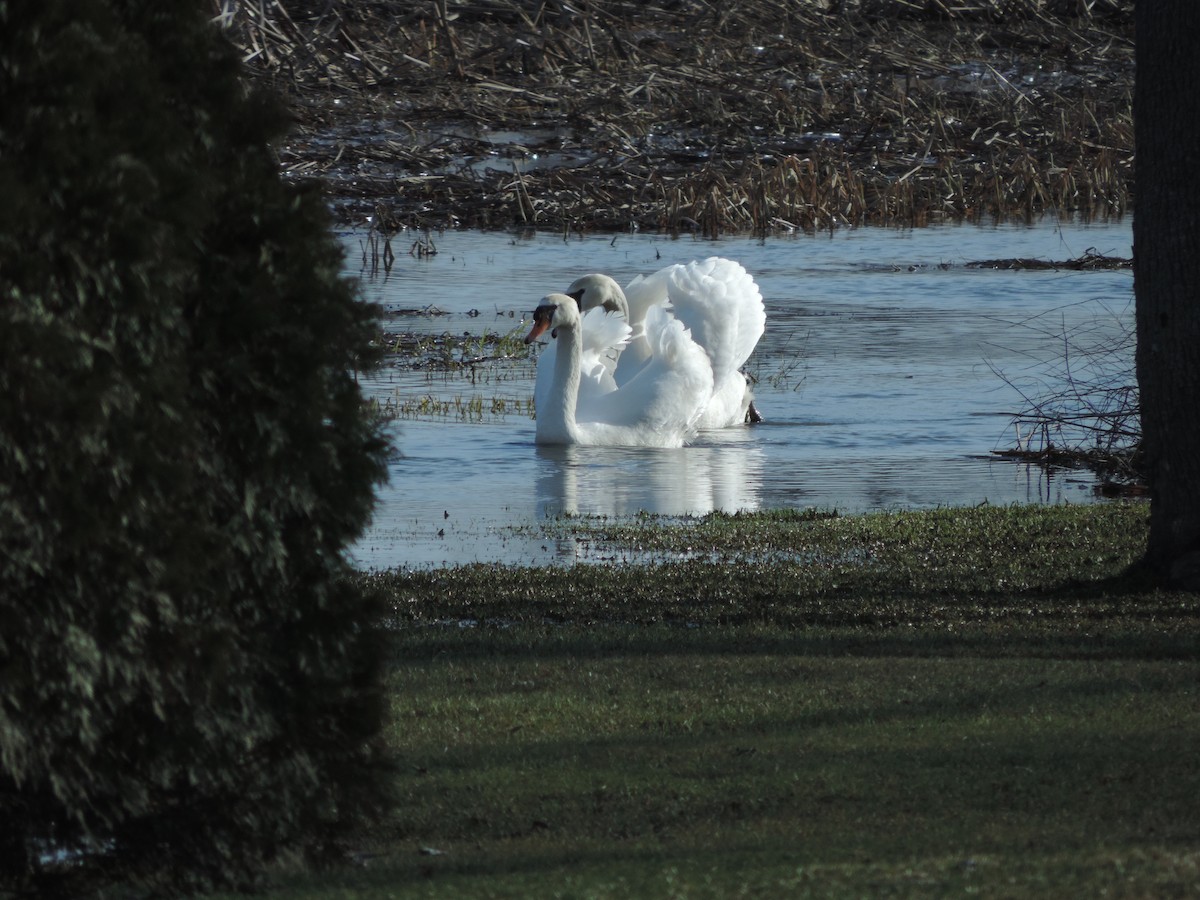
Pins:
x: 591, y: 291
x: 554, y: 312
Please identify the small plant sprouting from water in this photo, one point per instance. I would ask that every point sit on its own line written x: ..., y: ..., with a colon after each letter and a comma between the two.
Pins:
x: 791, y: 365
x: 491, y: 346
x: 377, y: 250
x: 423, y: 247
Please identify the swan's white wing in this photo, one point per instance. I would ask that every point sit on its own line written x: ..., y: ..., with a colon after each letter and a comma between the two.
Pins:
x: 662, y: 403
x: 642, y: 294
x: 719, y: 302
x: 729, y: 405
x: 605, y: 335
x: 646, y: 291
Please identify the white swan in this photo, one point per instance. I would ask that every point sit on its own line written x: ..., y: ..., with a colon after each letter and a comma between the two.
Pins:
x: 715, y: 298
x: 657, y: 407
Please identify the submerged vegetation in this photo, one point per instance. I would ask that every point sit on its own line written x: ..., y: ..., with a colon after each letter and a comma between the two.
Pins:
x: 470, y: 408
x: 467, y: 353
x: 753, y: 115
x: 466, y: 378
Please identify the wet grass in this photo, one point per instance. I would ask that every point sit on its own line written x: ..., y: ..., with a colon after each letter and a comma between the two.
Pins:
x: 937, y: 569
x: 912, y: 704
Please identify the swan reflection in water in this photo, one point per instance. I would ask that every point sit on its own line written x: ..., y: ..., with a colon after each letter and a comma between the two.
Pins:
x: 723, y: 472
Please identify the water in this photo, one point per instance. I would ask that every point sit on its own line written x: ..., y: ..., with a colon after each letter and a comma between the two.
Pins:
x: 877, y: 376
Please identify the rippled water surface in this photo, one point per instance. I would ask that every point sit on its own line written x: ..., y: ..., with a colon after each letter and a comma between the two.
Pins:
x: 878, y: 377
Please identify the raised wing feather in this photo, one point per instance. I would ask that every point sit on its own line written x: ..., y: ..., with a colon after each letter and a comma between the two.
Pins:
x: 719, y: 302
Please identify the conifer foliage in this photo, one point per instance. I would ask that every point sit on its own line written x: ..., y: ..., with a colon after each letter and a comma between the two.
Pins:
x: 187, y: 684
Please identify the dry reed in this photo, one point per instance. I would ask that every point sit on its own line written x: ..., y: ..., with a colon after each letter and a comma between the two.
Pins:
x: 748, y: 115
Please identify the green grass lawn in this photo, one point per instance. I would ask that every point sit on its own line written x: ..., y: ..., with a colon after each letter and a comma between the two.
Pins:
x: 913, y: 704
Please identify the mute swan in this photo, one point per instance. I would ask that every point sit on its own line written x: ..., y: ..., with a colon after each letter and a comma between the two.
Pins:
x: 716, y: 299
x: 657, y: 407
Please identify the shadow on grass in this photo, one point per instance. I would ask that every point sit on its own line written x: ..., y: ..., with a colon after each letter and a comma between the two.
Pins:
x: 1180, y: 643
x: 1109, y: 618
x: 764, y: 759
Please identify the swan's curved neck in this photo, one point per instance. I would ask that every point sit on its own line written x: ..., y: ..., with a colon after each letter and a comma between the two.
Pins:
x: 616, y: 302
x: 556, y: 424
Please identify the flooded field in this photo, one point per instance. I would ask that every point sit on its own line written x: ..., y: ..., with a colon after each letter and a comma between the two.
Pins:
x: 889, y: 373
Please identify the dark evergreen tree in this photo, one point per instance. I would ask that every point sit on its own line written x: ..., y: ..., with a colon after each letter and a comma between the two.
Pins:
x: 187, y: 683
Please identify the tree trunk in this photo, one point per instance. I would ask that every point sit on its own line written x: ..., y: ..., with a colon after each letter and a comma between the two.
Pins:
x: 1166, y: 237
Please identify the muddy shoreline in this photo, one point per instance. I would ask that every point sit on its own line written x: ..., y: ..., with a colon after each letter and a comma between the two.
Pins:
x: 674, y: 116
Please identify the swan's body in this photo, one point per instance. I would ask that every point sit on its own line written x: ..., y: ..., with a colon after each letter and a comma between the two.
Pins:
x: 716, y: 299
x: 657, y: 407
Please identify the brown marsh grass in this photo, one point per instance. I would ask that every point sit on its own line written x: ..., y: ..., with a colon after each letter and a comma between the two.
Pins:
x: 743, y: 116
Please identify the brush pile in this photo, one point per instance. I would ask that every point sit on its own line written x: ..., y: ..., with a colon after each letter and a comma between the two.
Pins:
x: 690, y: 115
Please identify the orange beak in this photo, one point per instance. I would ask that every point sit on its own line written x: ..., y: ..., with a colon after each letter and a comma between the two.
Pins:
x: 541, y: 321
